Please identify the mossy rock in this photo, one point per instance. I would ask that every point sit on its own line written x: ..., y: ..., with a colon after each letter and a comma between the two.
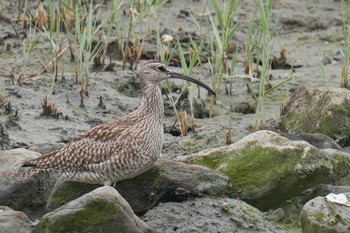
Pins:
x: 253, y: 167
x: 319, y: 110
x: 98, y: 214
x: 66, y: 192
x: 322, y: 216
x: 266, y: 169
x: 102, y: 210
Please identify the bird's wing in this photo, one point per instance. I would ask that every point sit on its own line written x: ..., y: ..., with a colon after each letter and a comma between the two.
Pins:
x: 93, y: 146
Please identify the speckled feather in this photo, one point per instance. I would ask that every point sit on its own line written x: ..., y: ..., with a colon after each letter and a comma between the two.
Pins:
x: 117, y: 150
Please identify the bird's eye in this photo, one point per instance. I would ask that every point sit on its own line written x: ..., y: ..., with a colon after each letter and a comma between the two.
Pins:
x: 161, y: 68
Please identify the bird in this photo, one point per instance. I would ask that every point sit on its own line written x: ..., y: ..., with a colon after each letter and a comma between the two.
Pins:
x: 120, y: 149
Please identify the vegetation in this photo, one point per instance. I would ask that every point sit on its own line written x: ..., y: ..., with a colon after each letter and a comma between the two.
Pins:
x: 346, y: 53
x: 222, y: 31
x: 264, y: 45
x: 96, y: 35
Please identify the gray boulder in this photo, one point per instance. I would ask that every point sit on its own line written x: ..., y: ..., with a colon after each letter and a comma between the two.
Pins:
x: 102, y: 210
x: 318, y: 140
x: 171, y: 181
x: 319, y: 110
x: 28, y: 195
x: 13, y: 221
x: 10, y: 165
x: 44, y: 148
x: 322, y: 216
x: 211, y: 214
x: 293, y: 207
x: 266, y: 168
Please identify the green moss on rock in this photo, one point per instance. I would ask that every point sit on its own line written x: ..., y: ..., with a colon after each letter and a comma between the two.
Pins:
x: 319, y: 216
x: 342, y: 164
x: 98, y: 215
x: 210, y: 161
x: 157, y: 176
x: 254, y: 166
x: 319, y: 115
x: 68, y: 191
x: 335, y: 122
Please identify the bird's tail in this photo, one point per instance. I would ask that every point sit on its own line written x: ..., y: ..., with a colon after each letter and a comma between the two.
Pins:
x: 31, y: 172
x: 37, y: 165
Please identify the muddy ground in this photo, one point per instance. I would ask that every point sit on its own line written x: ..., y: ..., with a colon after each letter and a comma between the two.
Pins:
x: 310, y: 31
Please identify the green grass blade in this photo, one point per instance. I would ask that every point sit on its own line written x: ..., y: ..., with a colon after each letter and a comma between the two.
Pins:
x: 182, y: 58
x: 278, y: 85
x: 216, y: 33
x: 67, y: 5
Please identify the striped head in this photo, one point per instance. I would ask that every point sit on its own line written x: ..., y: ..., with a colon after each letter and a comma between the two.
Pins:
x: 153, y: 72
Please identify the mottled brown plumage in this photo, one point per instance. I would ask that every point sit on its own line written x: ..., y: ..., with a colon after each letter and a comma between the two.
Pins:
x: 120, y: 149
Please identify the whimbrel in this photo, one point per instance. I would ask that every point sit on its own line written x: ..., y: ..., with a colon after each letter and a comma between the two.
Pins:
x: 118, y: 150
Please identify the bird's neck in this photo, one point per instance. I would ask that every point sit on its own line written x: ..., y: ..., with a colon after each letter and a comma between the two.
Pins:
x: 152, y: 102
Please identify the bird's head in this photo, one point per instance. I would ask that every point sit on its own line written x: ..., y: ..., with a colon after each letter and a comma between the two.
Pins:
x: 153, y: 72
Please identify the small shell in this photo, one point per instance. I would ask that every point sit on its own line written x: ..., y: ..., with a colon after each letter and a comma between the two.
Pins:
x: 202, y: 15
x: 167, y: 38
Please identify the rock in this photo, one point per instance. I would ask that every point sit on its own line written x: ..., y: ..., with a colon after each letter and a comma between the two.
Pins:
x: 322, y: 216
x: 13, y: 221
x: 68, y: 191
x: 4, y: 138
x: 208, y: 214
x: 171, y: 181
x: 322, y: 190
x: 266, y: 168
x: 245, y: 107
x: 167, y: 181
x: 277, y: 215
x: 44, y: 148
x: 209, y: 136
x: 326, y: 60
x: 319, y: 110
x: 292, y: 208
x: 318, y: 140
x: 28, y: 195
x: 102, y: 210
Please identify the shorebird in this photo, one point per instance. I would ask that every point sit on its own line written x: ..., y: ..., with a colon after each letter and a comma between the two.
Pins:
x: 120, y: 149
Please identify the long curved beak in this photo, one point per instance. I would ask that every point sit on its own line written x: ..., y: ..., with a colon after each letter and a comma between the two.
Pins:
x: 184, y: 77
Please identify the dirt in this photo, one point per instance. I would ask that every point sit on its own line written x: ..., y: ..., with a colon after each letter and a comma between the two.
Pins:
x: 310, y: 31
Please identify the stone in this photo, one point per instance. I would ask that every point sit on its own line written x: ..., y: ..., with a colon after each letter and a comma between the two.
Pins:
x: 102, y: 210
x: 44, y: 148
x: 170, y: 181
x: 28, y: 195
x: 13, y: 221
x: 277, y: 215
x: 245, y: 107
x: 318, y: 140
x: 319, y: 110
x: 210, y: 214
x: 322, y: 216
x: 267, y: 169
x: 293, y: 207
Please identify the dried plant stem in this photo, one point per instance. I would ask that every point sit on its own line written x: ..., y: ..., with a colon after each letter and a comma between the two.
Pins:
x: 53, y: 60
